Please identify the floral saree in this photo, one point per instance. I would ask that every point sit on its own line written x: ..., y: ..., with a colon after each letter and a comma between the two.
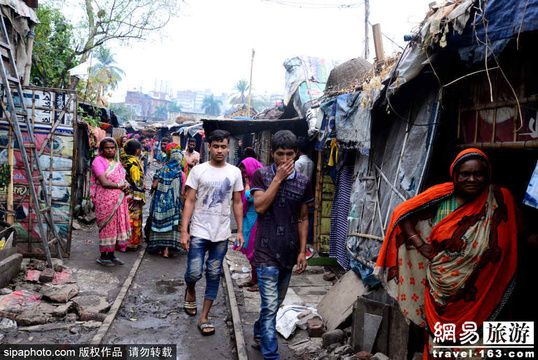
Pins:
x: 136, y: 198
x: 473, y: 263
x: 111, y: 209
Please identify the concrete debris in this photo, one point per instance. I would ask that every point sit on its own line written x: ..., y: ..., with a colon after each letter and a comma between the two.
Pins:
x: 63, y: 309
x: 315, y: 327
x: 40, y: 314
x: 91, y: 324
x: 333, y: 337
x: 46, y: 327
x: 91, y: 307
x: 13, y: 304
x: 76, y: 225
x: 60, y: 293
x: 7, y: 324
x: 344, y: 350
x: 36, y: 264
x: 381, y: 356
x: 10, y: 263
x: 363, y: 355
x: 5, y: 291
x: 46, y: 275
x: 305, y: 346
x: 329, y: 276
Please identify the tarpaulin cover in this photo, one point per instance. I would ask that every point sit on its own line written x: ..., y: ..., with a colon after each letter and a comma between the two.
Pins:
x: 505, y: 20
x: 308, y: 75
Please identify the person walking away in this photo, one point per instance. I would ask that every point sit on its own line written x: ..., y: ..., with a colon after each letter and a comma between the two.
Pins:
x: 192, y: 156
x: 212, y: 189
x: 137, y: 195
x: 248, y: 167
x: 305, y: 166
x: 107, y: 189
x: 167, y: 203
x: 450, y: 253
x: 281, y: 198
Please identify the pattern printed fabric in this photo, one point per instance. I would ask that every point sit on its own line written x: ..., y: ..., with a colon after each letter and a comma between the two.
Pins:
x: 339, y: 215
x: 135, y: 213
x: 474, y: 257
x: 277, y: 236
x: 111, y: 209
x: 134, y: 176
x: 167, y: 206
x: 213, y: 203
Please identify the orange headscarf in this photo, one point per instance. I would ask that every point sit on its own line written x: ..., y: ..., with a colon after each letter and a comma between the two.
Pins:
x: 480, y: 238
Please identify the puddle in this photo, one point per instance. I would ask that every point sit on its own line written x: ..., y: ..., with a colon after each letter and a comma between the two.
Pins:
x: 167, y: 287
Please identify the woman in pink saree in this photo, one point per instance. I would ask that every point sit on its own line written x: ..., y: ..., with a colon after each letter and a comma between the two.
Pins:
x: 107, y: 189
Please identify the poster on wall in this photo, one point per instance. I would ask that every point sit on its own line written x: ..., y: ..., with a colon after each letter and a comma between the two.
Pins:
x: 54, y: 133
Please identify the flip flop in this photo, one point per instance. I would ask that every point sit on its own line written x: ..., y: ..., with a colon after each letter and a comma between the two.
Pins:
x: 118, y: 261
x: 189, y: 305
x: 247, y: 284
x: 254, y: 288
x: 105, y: 262
x: 206, y: 325
x: 256, y: 345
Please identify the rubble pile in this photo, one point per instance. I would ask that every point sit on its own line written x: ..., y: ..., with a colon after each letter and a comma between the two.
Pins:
x: 44, y: 299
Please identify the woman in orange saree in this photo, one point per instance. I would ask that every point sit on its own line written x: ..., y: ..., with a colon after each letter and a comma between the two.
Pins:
x: 450, y: 253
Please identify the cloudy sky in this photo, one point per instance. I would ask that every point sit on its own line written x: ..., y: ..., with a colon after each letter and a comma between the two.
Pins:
x: 209, y: 46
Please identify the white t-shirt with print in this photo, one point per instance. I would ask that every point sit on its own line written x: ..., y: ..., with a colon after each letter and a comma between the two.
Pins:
x: 212, y: 206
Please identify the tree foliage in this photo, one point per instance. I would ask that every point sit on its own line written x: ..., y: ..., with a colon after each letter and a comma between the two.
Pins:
x: 54, y: 48
x: 211, y: 106
x: 239, y: 95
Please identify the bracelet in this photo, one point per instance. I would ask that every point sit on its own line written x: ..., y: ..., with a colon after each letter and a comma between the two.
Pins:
x: 421, y: 245
x: 412, y: 236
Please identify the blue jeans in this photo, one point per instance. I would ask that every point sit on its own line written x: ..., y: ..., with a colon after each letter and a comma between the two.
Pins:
x: 273, y: 283
x: 213, y: 266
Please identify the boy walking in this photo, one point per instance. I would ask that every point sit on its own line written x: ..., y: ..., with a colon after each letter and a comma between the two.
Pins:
x: 213, y: 187
x: 281, y: 197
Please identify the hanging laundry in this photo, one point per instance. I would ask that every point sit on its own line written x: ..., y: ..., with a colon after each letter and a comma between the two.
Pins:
x: 339, y: 215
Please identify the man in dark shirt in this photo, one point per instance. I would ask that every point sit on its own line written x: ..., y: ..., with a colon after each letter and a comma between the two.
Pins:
x: 281, y: 197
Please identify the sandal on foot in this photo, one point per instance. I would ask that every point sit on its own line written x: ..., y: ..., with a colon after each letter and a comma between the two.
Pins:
x: 118, y: 261
x: 256, y: 344
x: 254, y: 288
x: 189, y: 306
x: 247, y: 284
x: 204, y: 326
x: 105, y: 262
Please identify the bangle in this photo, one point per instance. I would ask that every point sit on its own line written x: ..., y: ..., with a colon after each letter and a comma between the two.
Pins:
x: 412, y: 236
x: 117, y: 186
x: 421, y: 245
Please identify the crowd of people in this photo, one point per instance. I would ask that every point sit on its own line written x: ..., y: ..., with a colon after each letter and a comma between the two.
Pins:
x: 452, y: 248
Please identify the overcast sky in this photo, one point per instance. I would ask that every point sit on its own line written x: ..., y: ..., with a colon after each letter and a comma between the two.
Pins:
x: 209, y: 46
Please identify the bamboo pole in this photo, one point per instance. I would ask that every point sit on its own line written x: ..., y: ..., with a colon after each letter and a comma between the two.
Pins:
x: 378, y: 43
x: 317, y: 203
x: 250, y: 83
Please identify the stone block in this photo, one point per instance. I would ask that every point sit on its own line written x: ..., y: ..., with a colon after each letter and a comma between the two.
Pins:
x: 380, y: 356
x: 333, y: 337
x: 315, y: 327
x: 344, y: 350
x: 9, y: 268
x: 63, y: 309
x: 60, y: 293
x: 363, y: 355
x: 46, y: 275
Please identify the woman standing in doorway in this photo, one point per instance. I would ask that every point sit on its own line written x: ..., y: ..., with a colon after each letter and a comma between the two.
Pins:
x: 137, y: 196
x: 107, y: 189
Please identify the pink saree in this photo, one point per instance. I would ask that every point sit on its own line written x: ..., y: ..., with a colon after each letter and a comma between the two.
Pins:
x: 111, y: 210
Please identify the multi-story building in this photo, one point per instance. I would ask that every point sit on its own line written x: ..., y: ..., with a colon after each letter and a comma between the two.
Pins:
x: 148, y: 104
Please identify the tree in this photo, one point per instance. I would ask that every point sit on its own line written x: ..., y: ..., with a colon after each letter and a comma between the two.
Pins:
x: 107, y: 64
x: 211, y: 106
x: 54, y: 48
x: 161, y: 111
x: 240, y: 89
x: 174, y: 107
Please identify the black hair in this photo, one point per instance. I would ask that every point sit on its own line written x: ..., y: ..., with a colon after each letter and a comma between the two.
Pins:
x: 304, y: 144
x: 191, y: 140
x: 165, y: 139
x: 283, y: 139
x: 104, y: 141
x: 218, y: 135
x: 132, y: 146
x: 142, y: 137
x: 249, y: 152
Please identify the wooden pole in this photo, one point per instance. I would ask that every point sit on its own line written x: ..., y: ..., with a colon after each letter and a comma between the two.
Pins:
x: 29, y: 51
x: 10, y: 158
x: 366, y: 28
x: 250, y: 83
x: 378, y: 43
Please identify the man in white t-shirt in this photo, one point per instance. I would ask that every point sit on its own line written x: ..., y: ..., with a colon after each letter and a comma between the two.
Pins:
x: 214, y: 188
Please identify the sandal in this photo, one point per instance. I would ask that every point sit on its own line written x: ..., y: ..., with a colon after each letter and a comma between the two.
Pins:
x: 256, y: 345
x: 247, y: 284
x: 189, y: 306
x: 105, y: 262
x: 204, y: 326
x: 118, y: 261
x: 254, y: 288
